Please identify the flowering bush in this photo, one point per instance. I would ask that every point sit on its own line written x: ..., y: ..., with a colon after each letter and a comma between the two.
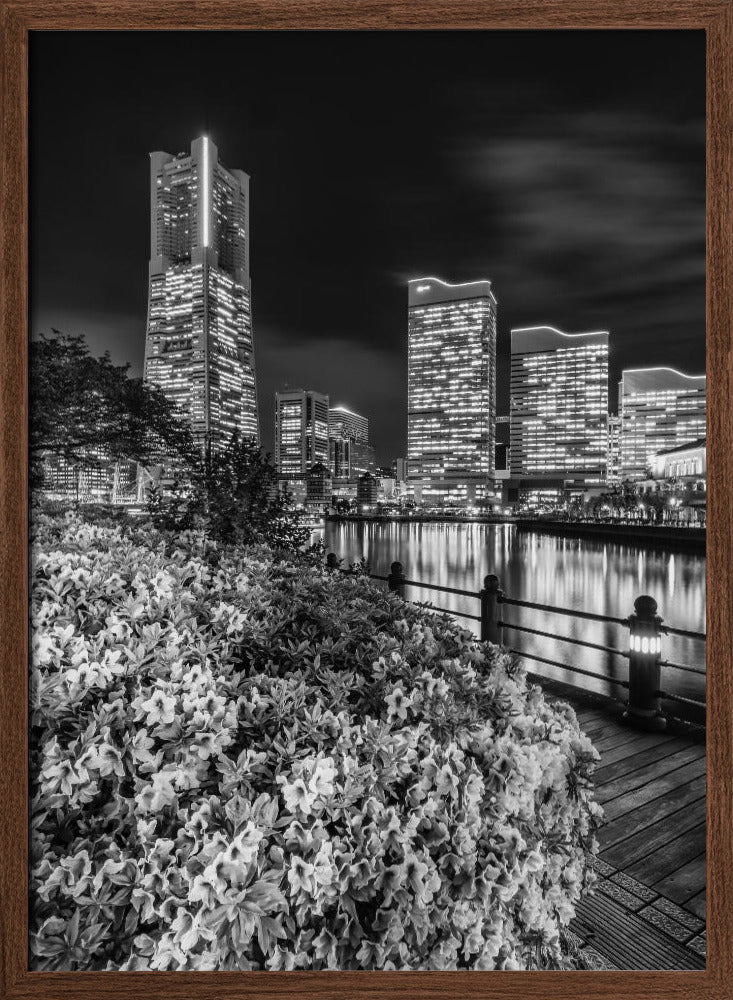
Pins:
x: 245, y: 763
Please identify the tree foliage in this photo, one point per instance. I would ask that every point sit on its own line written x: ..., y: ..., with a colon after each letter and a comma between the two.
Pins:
x: 86, y: 410
x: 233, y: 492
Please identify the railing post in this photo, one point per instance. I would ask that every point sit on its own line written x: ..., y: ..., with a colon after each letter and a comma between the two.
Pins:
x: 396, y: 579
x: 645, y: 655
x: 491, y: 630
x: 332, y: 561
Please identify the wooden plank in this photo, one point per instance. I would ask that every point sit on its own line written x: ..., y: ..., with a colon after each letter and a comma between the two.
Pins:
x: 685, y: 883
x: 594, y: 721
x: 595, y: 734
x: 627, y: 940
x: 635, y: 760
x: 670, y: 858
x: 586, y: 715
x: 651, y: 773
x: 615, y: 731
x: 637, y: 797
x: 627, y: 747
x: 650, y: 838
x: 624, y: 737
x: 661, y: 808
x: 697, y: 905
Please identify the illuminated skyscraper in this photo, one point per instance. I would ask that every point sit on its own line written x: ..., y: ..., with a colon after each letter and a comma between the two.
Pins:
x: 199, y: 346
x: 301, y: 432
x: 660, y: 408
x: 350, y: 453
x: 559, y: 406
x: 451, y: 391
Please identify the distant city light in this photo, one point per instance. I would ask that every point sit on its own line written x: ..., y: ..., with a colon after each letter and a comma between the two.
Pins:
x: 532, y: 329
x: 664, y: 368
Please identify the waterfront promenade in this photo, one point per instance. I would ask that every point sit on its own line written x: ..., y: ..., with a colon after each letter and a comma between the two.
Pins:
x: 645, y: 534
x: 648, y: 909
x: 669, y: 535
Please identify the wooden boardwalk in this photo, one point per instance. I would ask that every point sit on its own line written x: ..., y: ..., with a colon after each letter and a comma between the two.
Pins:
x: 648, y: 909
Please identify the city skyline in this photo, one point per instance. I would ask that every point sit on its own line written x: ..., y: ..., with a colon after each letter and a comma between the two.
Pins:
x: 461, y: 167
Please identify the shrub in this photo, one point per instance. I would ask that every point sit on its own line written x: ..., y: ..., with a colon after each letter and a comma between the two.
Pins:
x: 246, y: 763
x: 233, y: 494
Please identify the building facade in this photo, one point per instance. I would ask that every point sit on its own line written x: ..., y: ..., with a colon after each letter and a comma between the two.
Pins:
x: 613, y: 469
x: 93, y: 478
x: 399, y: 469
x: 451, y: 391
x: 660, y: 408
x: 350, y: 454
x: 318, y: 486
x: 558, y: 428
x: 367, y: 490
x: 686, y: 464
x: 199, y: 348
x: 301, y: 432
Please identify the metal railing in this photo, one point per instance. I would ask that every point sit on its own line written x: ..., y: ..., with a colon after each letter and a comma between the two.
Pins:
x: 644, y: 652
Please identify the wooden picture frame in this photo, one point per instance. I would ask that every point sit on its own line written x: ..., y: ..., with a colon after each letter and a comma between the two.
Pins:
x: 19, y: 17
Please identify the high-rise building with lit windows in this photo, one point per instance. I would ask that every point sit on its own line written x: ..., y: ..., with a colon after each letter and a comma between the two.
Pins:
x: 199, y: 348
x: 301, y: 432
x: 558, y: 426
x: 350, y: 454
x: 451, y: 391
x: 659, y: 408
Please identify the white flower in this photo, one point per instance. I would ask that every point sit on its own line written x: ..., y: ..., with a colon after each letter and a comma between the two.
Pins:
x: 300, y: 875
x: 159, y: 793
x: 323, y: 777
x: 397, y: 704
x: 297, y: 796
x: 106, y: 759
x: 160, y: 709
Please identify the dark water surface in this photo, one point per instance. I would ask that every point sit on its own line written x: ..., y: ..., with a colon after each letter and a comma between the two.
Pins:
x: 599, y: 576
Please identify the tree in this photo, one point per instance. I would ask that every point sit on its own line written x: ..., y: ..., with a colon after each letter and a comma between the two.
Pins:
x: 87, y: 410
x: 233, y: 492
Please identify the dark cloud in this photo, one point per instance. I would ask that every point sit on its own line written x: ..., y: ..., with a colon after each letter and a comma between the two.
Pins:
x: 567, y: 167
x: 602, y: 220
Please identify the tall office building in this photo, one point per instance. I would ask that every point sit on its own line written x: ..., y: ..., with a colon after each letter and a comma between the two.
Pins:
x: 199, y: 348
x: 559, y: 407
x: 451, y: 391
x: 301, y: 432
x: 660, y: 408
x: 350, y: 454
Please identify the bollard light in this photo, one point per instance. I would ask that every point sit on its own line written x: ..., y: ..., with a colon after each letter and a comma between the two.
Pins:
x: 650, y: 644
x: 645, y: 656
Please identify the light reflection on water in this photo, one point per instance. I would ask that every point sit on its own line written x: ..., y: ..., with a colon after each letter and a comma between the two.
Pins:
x: 598, y: 576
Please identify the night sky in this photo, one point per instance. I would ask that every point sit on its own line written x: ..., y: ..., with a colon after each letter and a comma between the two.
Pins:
x: 567, y: 167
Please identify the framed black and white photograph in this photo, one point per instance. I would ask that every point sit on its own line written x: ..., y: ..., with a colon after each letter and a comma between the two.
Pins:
x: 359, y: 616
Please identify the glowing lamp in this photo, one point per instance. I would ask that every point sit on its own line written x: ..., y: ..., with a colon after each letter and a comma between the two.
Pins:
x: 645, y: 655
